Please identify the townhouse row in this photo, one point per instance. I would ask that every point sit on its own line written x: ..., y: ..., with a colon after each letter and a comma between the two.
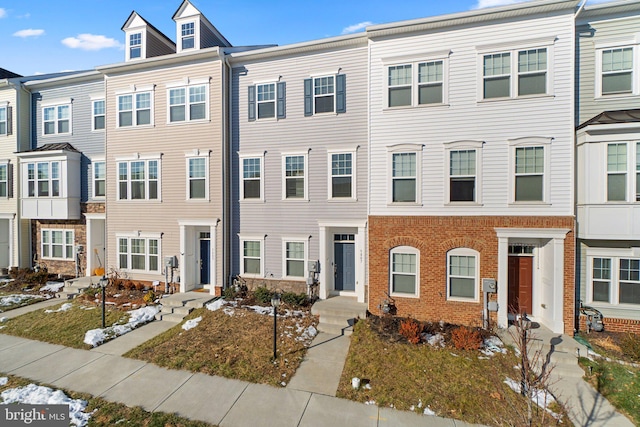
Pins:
x: 414, y: 163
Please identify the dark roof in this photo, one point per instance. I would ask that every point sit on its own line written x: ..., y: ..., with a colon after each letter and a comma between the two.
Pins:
x: 57, y: 146
x: 6, y: 74
x: 613, y: 117
x: 149, y: 24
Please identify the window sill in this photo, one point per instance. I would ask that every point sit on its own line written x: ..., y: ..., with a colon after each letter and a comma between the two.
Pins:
x: 135, y: 127
x: 343, y: 200
x: 613, y: 306
x: 404, y: 205
x: 294, y: 278
x: 97, y: 130
x: 410, y: 107
x: 251, y: 276
x: 295, y: 200
x: 252, y: 201
x: 463, y: 204
x: 400, y: 295
x: 186, y: 122
x: 51, y: 135
x: 529, y: 203
x: 514, y: 98
x: 58, y: 259
x: 197, y: 200
x: 608, y: 97
x: 139, y: 201
x: 470, y: 300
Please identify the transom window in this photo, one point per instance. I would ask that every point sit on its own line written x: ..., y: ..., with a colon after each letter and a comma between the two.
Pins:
x: 266, y: 98
x: 98, y: 114
x: 43, y: 179
x: 617, y: 172
x: 134, y: 109
x: 140, y: 254
x: 99, y: 179
x: 188, y: 103
x: 404, y: 175
x: 529, y: 174
x: 57, y: 244
x: 3, y: 121
x: 341, y: 175
x: 324, y: 94
x: 4, y: 180
x: 251, y: 257
x: 56, y: 119
x: 462, y: 274
x: 462, y: 175
x: 138, y: 180
x: 251, y: 178
x: 197, y: 178
x: 617, y: 70
x: 135, y: 45
x: 188, y: 35
x: 294, y: 259
x: 294, y: 176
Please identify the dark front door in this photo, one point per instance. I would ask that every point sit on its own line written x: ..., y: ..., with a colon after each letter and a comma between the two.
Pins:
x: 520, y: 284
x: 205, y: 245
x: 344, y: 266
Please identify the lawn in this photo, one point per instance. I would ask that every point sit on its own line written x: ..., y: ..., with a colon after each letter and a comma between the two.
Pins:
x: 233, y: 343
x: 464, y: 385
x: 107, y: 414
x: 58, y: 326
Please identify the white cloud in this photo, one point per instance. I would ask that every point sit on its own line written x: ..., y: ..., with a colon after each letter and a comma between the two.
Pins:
x: 90, y: 42
x: 3, y: 12
x: 493, y: 3
x: 356, y: 27
x: 28, y: 33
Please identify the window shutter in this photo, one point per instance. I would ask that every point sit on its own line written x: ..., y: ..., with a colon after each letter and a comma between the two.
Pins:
x: 10, y: 180
x: 341, y: 93
x: 282, y: 91
x: 9, y: 120
x: 252, y: 103
x: 308, y: 97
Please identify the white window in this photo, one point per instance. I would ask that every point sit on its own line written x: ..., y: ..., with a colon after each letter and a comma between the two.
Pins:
x: 430, y: 82
x: 251, y: 187
x: 139, y: 180
x: 99, y: 179
x: 4, y: 180
x: 98, y: 114
x: 617, y: 172
x: 266, y: 100
x: 57, y: 244
x: 404, y: 173
x: 532, y: 72
x: 4, y: 126
x: 294, y: 259
x: 188, y: 35
x: 188, y: 103
x: 43, y: 179
x: 198, y: 172
x: 324, y: 94
x: 629, y: 281
x: 497, y: 75
x: 614, y: 279
x: 417, y: 83
x: 135, y: 45
x: 601, y: 280
x: 529, y: 174
x: 617, y: 71
x: 139, y: 253
x: 404, y: 271
x: 400, y: 77
x: 251, y: 257
x: 56, y: 119
x: 342, y: 183
x: 462, y: 175
x: 462, y: 274
x: 295, y: 180
x: 135, y: 109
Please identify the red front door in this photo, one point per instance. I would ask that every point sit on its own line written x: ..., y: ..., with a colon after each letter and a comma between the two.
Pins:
x: 520, y: 284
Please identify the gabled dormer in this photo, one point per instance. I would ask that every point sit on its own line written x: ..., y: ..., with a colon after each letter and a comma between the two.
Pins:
x: 143, y: 40
x: 194, y: 31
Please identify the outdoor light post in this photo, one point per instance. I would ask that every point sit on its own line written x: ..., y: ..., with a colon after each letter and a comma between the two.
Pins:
x: 275, y: 302
x: 103, y: 285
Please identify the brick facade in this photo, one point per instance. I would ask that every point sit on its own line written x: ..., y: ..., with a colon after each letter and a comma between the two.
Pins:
x: 434, y: 237
x: 614, y: 325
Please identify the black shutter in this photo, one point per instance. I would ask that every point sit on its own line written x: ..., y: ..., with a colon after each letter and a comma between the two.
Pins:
x: 9, y: 120
x: 252, y: 103
x: 341, y: 93
x: 308, y: 97
x: 282, y: 96
x: 10, y: 180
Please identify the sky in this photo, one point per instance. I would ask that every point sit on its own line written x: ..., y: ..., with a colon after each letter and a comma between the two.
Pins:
x: 39, y: 36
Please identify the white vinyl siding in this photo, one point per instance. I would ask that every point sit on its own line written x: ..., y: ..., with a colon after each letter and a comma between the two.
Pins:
x: 404, y: 271
x: 56, y: 119
x: 57, y: 244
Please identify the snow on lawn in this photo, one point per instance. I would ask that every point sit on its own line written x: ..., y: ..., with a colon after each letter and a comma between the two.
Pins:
x: 493, y: 345
x: 138, y: 317
x: 17, y: 299
x: 64, y: 307
x: 39, y: 395
x: 190, y: 324
x: 52, y: 286
x: 542, y: 398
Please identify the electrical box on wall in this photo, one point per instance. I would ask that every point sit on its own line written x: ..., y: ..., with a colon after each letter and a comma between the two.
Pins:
x: 492, y: 306
x: 170, y: 261
x: 314, y: 266
x: 489, y: 285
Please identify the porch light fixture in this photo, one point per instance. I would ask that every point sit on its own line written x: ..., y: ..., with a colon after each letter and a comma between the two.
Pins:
x: 103, y: 285
x: 275, y: 303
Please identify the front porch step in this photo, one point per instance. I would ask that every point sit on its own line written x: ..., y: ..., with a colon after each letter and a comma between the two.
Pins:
x: 170, y: 317
x: 177, y: 306
x: 334, y: 329
x: 74, y: 287
x: 338, y: 314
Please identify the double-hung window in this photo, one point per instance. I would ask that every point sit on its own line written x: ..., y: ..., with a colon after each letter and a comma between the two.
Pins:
x: 404, y: 177
x: 497, y: 75
x: 252, y: 257
x: 629, y: 281
x: 430, y: 83
x: 294, y: 259
x: 267, y: 101
x: 4, y: 180
x: 43, y: 179
x: 99, y: 179
x: 404, y: 270
x: 325, y: 94
x: 614, y: 277
x: 4, y: 120
x: 417, y: 83
x: 295, y: 180
x: 342, y: 182
x: 529, y: 174
x: 400, y: 88
x: 462, y: 274
x: 197, y: 177
x: 57, y: 244
x: 98, y: 114
x: 134, y: 109
x: 617, y: 172
x: 139, y: 253
x: 251, y: 178
x: 617, y: 71
x: 139, y: 180
x: 462, y: 175
x: 532, y: 72
x: 56, y: 119
x: 135, y: 45
x: 187, y: 35
x: 601, y: 279
x: 188, y: 103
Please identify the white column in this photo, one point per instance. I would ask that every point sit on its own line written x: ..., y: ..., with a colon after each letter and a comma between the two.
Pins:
x: 503, y: 282
x: 213, y: 264
x: 89, y: 248
x: 361, y: 250
x: 182, y: 258
x: 13, y: 255
x: 323, y: 291
x: 558, y: 288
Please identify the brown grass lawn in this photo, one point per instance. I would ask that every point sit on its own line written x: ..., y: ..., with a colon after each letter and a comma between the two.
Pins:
x: 65, y: 327
x: 107, y: 414
x: 452, y: 383
x: 238, y: 346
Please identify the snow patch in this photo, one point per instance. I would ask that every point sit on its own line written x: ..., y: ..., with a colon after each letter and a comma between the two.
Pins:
x: 216, y: 305
x: 428, y: 411
x: 64, y: 307
x: 190, y: 324
x: 434, y: 340
x: 52, y: 286
x: 493, y: 345
x: 542, y: 398
x: 139, y: 317
x: 17, y: 299
x: 3, y: 381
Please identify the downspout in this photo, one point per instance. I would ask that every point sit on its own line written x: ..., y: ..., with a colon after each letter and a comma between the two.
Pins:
x: 226, y: 187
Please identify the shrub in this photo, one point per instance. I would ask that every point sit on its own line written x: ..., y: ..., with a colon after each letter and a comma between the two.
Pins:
x: 464, y: 338
x: 129, y: 285
x: 262, y: 295
x: 140, y: 286
x: 630, y: 345
x: 149, y: 297
x: 410, y: 329
x: 295, y: 300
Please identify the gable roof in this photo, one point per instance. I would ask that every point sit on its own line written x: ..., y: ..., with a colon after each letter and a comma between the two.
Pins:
x: 186, y: 4
x: 135, y: 15
x: 6, y: 74
x: 613, y: 117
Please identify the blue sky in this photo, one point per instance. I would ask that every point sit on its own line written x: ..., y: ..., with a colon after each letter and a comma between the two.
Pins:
x: 40, y: 36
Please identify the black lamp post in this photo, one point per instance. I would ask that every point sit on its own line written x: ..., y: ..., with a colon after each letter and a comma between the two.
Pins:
x: 103, y: 285
x: 275, y: 302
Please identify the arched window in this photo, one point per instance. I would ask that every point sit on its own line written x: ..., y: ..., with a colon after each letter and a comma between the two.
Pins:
x: 463, y: 268
x: 404, y: 271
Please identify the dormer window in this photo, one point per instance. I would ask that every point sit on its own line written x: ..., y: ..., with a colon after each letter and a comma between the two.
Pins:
x: 135, y: 45
x: 188, y: 35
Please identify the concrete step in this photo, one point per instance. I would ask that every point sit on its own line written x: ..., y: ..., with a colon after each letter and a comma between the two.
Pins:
x: 170, y: 317
x: 337, y: 320
x: 337, y: 315
x: 334, y: 329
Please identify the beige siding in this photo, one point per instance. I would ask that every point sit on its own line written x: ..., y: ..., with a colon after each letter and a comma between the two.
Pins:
x: 173, y: 141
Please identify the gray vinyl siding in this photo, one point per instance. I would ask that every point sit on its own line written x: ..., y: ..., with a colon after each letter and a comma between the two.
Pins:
x: 598, y: 33
x: 173, y: 141
x: 156, y: 47
x: 208, y: 38
x: 315, y: 135
x: 89, y: 143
